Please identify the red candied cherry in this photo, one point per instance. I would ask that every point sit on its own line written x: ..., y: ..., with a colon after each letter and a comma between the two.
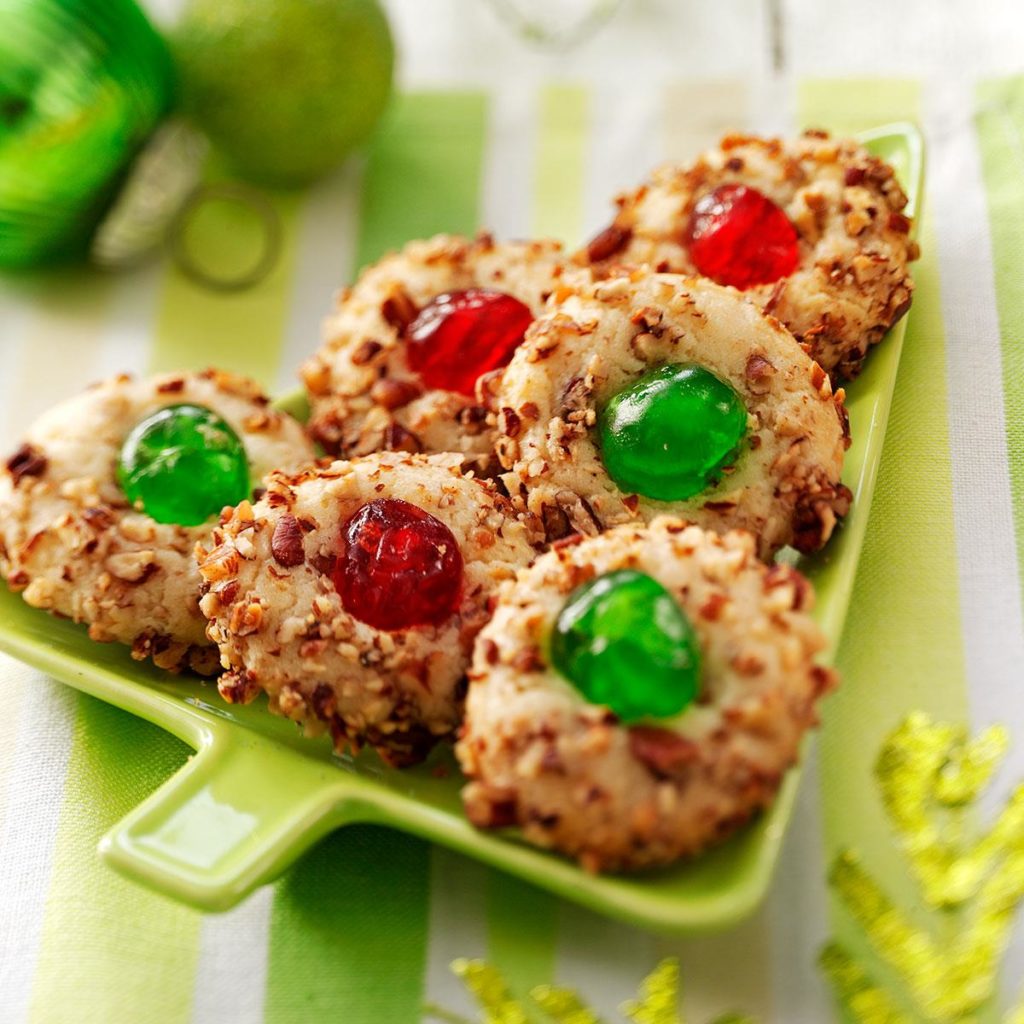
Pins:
x: 740, y: 237
x: 400, y: 566
x: 459, y: 336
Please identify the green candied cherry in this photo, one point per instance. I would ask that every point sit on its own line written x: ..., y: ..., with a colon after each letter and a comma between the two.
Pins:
x: 669, y: 435
x: 623, y: 641
x: 183, y: 464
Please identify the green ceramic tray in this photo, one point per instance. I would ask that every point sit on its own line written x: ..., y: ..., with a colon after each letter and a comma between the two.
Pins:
x: 256, y: 795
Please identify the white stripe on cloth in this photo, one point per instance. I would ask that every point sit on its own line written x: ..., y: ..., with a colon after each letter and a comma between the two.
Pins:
x: 990, y: 595
x: 623, y: 957
x: 509, y: 156
x: 324, y: 264
x: 990, y: 591
x: 457, y: 927
x: 231, y: 972
x: 457, y: 924
x: 35, y: 788
x: 127, y: 341
x: 773, y: 104
x: 15, y: 315
x: 626, y: 144
x: 796, y: 911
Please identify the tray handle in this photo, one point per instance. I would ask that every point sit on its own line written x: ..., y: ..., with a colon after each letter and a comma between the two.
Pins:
x: 211, y: 833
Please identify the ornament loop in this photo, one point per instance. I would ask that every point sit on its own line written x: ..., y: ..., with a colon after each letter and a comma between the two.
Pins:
x: 240, y: 195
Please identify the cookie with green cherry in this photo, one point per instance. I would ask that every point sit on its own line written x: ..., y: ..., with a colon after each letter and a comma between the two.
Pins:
x: 108, y: 494
x: 642, y: 394
x: 638, y: 695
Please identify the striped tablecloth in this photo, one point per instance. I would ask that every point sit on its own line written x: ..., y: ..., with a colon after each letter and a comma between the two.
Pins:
x: 362, y: 931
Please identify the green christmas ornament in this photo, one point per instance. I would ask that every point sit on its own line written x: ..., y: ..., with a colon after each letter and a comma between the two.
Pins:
x: 669, y: 435
x: 285, y: 88
x: 83, y: 84
x: 623, y: 641
x: 183, y: 464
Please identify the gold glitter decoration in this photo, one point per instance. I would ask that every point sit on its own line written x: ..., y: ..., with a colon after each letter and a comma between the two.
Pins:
x: 487, y: 984
x: 656, y: 1002
x: 930, y: 775
x: 867, y: 1003
x: 659, y: 996
x: 563, y: 1005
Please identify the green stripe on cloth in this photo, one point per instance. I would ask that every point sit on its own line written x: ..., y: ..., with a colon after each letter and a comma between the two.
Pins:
x: 349, y: 931
x: 110, y: 950
x: 423, y: 172
x: 846, y: 105
x: 902, y: 649
x: 521, y: 932
x: 349, y: 923
x: 241, y: 330
x: 563, y: 130
x: 1000, y: 129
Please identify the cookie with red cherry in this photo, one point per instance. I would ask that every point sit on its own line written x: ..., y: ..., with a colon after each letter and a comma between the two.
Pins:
x: 811, y: 229
x: 412, y: 347
x: 351, y: 593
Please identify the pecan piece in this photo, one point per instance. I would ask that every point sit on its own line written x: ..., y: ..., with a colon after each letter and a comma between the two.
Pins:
x: 397, y: 439
x: 661, y: 750
x: 399, y: 310
x: 286, y: 542
x: 393, y: 394
x: 491, y: 809
x: 608, y: 242
x: 509, y: 422
x: 238, y: 687
x: 246, y: 618
x: 26, y: 461
x: 366, y: 351
x: 899, y: 223
x: 759, y: 372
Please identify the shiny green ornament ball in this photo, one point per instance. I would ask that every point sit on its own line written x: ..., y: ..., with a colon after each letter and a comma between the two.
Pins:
x: 669, y: 435
x: 83, y: 85
x: 183, y: 463
x: 623, y: 641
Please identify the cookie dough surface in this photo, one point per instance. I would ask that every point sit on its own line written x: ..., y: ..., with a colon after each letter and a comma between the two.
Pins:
x: 599, y: 337
x: 852, y: 282
x: 363, y: 394
x: 281, y: 627
x: 571, y: 776
x: 72, y: 544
